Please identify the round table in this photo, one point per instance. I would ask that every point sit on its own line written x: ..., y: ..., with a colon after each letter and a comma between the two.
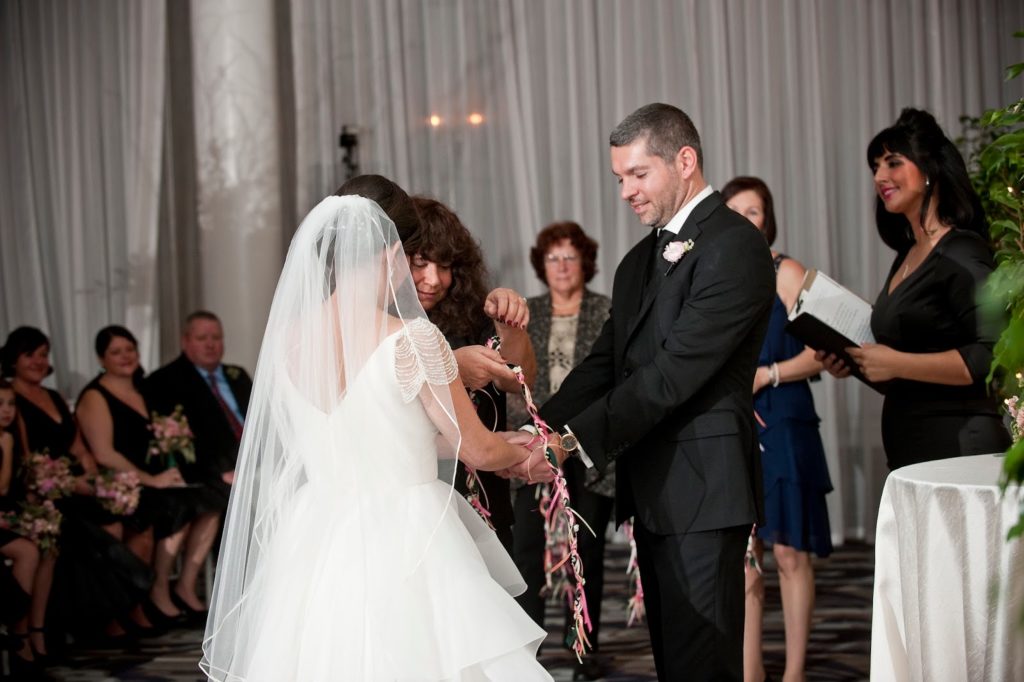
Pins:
x: 949, y: 589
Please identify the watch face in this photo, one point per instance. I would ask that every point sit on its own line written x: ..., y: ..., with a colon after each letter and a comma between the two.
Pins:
x: 569, y: 442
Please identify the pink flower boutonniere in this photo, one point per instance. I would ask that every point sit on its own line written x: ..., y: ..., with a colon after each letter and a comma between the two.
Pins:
x: 674, y: 252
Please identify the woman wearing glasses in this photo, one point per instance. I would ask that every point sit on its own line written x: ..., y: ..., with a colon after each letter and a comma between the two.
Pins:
x: 563, y: 326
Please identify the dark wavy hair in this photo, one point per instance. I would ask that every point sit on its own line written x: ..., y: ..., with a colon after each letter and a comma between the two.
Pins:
x: 21, y: 341
x: 666, y: 128
x: 744, y: 183
x: 393, y: 200
x: 106, y: 336
x: 917, y: 136
x: 444, y: 239
x: 552, y: 235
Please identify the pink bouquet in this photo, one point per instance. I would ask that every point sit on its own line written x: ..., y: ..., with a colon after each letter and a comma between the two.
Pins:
x: 37, y: 522
x: 118, y: 491
x: 49, y: 478
x: 172, y: 438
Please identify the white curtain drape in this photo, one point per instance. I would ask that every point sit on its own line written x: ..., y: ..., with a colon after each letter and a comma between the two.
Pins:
x: 82, y: 111
x: 790, y: 90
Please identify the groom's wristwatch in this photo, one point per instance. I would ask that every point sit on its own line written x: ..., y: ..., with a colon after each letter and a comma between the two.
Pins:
x: 569, y: 442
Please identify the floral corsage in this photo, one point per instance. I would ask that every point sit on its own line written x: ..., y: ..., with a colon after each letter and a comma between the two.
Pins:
x: 674, y: 252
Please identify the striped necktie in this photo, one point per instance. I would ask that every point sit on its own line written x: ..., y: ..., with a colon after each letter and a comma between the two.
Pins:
x: 236, y: 426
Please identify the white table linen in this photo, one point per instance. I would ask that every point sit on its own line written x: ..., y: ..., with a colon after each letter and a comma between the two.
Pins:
x: 949, y: 589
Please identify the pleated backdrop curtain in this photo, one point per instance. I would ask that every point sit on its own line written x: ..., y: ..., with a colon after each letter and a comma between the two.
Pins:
x: 790, y: 90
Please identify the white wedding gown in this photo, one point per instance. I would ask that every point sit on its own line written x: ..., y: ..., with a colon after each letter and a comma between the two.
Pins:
x: 377, y: 571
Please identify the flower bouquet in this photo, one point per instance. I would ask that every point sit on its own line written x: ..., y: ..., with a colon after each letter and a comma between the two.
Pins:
x: 172, y: 438
x: 40, y: 523
x: 118, y: 491
x: 49, y: 478
x: 1015, y: 408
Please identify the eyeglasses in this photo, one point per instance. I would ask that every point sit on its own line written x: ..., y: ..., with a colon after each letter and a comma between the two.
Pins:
x: 554, y: 258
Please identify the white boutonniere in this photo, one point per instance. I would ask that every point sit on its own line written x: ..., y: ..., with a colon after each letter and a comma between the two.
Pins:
x: 232, y: 373
x: 674, y: 252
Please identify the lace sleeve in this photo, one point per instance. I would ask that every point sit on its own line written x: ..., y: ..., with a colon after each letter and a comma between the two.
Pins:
x: 422, y: 354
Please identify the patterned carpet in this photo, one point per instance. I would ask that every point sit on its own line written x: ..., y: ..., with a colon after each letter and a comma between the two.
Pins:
x: 839, y: 647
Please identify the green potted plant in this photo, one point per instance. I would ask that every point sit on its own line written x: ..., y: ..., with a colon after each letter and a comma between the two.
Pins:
x: 995, y: 146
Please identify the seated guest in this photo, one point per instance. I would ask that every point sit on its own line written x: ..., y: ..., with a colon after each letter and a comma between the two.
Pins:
x: 22, y: 553
x: 450, y: 276
x: 115, y: 421
x: 564, y: 323
x: 215, y: 398
x: 100, y: 580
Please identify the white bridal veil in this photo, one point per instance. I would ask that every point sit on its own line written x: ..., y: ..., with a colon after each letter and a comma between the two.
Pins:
x: 345, y: 290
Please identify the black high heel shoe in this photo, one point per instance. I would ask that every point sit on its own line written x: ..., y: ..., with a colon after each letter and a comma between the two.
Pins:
x: 160, y: 619
x: 22, y: 668
x: 194, y: 616
x: 41, y: 659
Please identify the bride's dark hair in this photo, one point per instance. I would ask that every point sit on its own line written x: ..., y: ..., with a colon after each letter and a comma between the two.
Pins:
x: 393, y: 200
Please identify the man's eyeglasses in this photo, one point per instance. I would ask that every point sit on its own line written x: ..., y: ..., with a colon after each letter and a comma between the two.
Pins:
x: 554, y: 258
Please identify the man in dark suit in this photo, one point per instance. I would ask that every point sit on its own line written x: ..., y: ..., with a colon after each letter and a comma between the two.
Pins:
x: 665, y: 394
x: 215, y: 398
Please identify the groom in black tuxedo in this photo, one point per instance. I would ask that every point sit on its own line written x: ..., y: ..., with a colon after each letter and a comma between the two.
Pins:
x: 665, y: 394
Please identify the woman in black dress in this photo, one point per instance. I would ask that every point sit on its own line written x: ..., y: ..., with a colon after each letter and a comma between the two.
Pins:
x: 933, y: 347
x: 15, y: 589
x: 97, y: 579
x: 115, y: 421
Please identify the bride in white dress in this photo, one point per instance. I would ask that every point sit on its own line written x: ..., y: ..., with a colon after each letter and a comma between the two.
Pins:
x: 345, y: 556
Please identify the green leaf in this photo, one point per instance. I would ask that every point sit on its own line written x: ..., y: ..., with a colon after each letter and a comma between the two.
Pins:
x: 1014, y: 71
x: 1013, y: 465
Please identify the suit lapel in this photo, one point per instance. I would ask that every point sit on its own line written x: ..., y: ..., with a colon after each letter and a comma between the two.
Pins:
x: 690, y: 230
x: 633, y: 296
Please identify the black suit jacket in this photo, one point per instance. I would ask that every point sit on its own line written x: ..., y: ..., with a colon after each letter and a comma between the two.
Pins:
x: 180, y: 383
x: 666, y: 390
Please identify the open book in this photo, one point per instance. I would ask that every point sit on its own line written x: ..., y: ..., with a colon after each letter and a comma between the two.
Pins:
x: 829, y: 317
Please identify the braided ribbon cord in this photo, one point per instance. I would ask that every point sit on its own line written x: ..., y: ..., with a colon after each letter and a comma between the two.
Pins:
x: 473, y: 489
x: 635, y: 606
x: 561, y: 528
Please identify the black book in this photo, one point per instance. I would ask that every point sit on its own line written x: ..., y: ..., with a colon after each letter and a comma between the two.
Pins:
x: 829, y: 317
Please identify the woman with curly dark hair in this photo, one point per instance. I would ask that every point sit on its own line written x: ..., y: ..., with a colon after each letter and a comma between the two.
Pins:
x: 933, y: 347
x: 451, y: 283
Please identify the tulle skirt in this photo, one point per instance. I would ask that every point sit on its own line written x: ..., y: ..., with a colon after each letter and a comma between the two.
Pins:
x: 326, y: 608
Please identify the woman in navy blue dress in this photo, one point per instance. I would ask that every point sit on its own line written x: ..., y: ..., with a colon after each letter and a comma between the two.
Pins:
x: 796, y: 476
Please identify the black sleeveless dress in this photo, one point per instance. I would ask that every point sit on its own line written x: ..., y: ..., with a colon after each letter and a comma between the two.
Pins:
x: 55, y: 438
x: 167, y: 510
x: 15, y: 491
x: 97, y: 577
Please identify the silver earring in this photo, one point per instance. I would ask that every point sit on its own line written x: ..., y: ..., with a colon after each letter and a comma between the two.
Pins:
x: 927, y: 182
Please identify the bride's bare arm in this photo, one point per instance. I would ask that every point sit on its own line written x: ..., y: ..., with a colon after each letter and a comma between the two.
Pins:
x: 479, y: 448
